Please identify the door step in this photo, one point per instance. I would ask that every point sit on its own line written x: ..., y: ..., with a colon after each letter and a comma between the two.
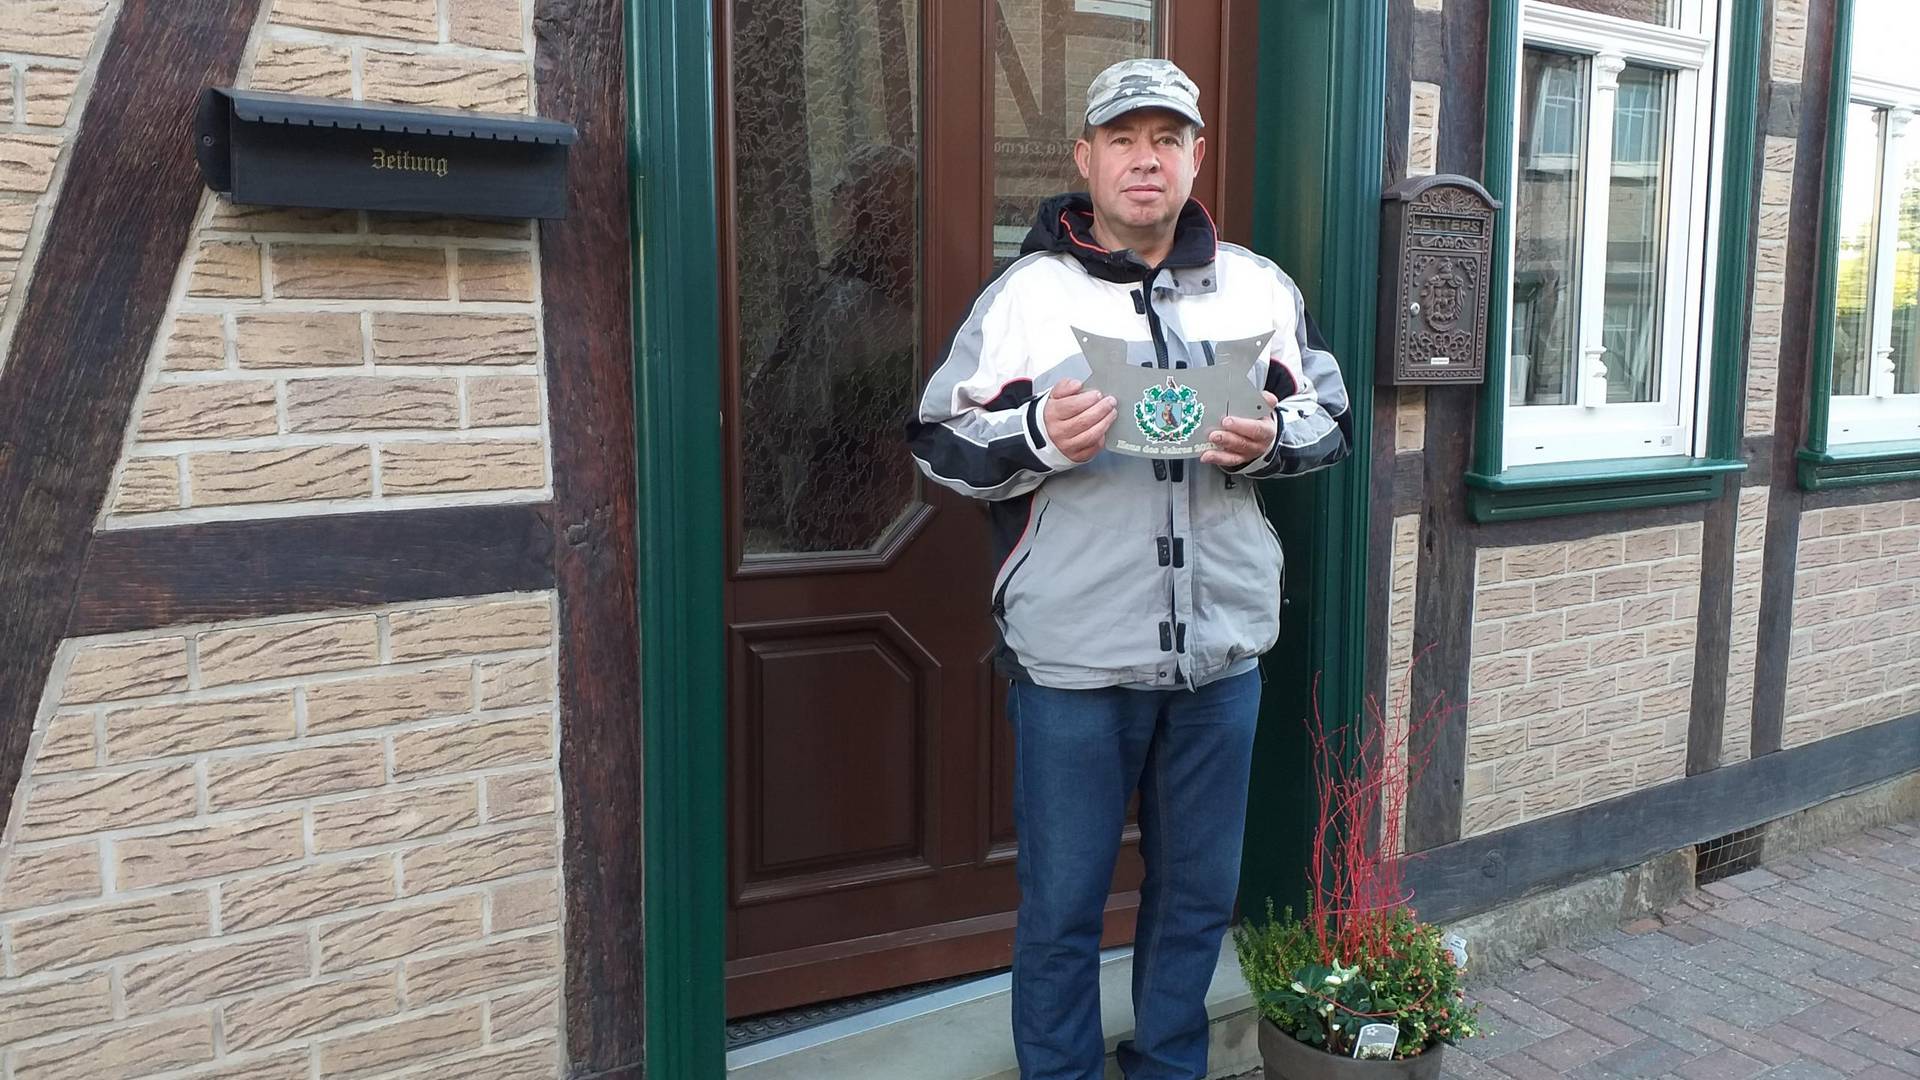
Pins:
x: 964, y: 1033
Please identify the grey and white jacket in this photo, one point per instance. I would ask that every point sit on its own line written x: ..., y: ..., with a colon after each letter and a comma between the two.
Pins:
x: 1125, y: 571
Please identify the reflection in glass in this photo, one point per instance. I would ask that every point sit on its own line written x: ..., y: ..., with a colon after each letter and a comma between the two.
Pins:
x: 1636, y: 216
x: 1906, y: 280
x: 1859, y: 205
x: 1546, y: 280
x: 1045, y: 54
x: 825, y: 157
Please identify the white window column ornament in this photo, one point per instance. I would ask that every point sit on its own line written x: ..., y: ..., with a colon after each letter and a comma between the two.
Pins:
x: 1894, y: 157
x: 1606, y: 68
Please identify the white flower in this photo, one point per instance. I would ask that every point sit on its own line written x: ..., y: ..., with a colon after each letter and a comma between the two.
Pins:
x: 1299, y: 987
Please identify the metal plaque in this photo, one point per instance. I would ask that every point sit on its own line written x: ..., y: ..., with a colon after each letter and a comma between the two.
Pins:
x: 1169, y: 412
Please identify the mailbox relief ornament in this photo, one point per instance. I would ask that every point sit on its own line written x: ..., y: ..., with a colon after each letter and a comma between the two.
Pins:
x: 1443, y: 296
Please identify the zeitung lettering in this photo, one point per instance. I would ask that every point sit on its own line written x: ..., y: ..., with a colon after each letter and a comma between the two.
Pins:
x: 408, y: 161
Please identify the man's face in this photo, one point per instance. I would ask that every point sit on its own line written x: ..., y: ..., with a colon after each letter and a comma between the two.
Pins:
x: 1140, y: 168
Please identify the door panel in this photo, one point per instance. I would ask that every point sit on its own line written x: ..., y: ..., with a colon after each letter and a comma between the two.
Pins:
x: 876, y: 156
x: 847, y: 797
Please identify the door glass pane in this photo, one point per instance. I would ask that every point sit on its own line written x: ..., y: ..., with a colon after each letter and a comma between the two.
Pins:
x: 1045, y: 54
x: 1906, y: 279
x: 1658, y: 12
x: 1546, y: 261
x: 826, y: 169
x: 1636, y: 234
x: 1859, y: 205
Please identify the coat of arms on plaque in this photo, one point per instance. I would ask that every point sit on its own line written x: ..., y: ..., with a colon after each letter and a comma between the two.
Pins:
x: 1169, y: 412
x: 1174, y: 410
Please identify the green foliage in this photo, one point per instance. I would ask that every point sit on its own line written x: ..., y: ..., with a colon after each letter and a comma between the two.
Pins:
x: 1410, y: 982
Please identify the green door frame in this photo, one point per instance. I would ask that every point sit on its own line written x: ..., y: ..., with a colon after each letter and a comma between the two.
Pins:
x: 676, y: 384
x: 1319, y: 157
x: 1320, y: 154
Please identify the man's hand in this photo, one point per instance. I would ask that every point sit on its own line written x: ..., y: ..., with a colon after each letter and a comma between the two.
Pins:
x: 1240, y: 439
x: 1077, y: 420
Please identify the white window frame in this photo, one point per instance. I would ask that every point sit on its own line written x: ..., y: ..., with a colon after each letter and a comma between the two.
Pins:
x: 1674, y: 424
x: 1880, y: 414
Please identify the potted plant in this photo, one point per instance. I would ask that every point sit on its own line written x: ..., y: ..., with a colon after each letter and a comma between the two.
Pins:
x: 1358, y: 987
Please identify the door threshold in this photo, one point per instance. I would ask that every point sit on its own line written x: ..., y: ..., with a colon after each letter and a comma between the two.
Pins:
x: 964, y: 1032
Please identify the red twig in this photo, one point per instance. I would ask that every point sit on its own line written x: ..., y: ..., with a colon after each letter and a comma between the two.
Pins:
x: 1362, y: 774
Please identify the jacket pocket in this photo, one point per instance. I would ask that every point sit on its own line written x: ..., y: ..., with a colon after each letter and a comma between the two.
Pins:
x: 1017, y: 559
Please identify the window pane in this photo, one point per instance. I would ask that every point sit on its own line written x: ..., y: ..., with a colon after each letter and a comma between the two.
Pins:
x: 1884, y: 32
x: 1546, y: 281
x: 1636, y: 234
x: 825, y: 156
x: 1906, y: 284
x: 1859, y: 206
x: 1658, y: 12
x: 1046, y: 53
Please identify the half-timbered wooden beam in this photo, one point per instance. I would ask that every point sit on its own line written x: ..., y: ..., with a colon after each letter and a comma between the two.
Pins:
x: 143, y: 579
x: 1480, y: 872
x: 1803, y: 116
x: 93, y: 304
x: 586, y: 290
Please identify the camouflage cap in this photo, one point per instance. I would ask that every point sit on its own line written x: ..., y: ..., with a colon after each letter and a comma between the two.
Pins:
x: 1142, y: 84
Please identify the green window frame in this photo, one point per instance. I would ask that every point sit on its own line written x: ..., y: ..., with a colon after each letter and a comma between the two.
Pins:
x: 1822, y: 465
x: 1498, y: 492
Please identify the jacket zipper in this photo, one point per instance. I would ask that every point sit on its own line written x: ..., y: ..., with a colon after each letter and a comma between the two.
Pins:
x: 1173, y: 586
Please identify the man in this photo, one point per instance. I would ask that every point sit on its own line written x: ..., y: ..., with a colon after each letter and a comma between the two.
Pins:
x: 1134, y: 597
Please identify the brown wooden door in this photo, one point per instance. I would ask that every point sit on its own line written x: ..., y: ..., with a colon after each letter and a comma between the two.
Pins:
x: 878, y: 157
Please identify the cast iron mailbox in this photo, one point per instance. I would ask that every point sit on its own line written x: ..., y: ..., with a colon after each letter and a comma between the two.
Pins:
x: 1436, y: 253
x: 287, y: 150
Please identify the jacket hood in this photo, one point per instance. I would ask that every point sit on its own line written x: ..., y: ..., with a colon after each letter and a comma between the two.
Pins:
x: 1064, y: 223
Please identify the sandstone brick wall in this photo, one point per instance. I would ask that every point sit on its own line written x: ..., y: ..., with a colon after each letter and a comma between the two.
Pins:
x: 1582, y: 677
x: 319, y: 846
x: 1403, y: 594
x: 1398, y: 707
x: 1410, y: 419
x: 1855, y: 656
x: 322, y: 361
x: 1423, y: 129
x: 47, y: 51
x: 1750, y: 534
x: 1780, y: 149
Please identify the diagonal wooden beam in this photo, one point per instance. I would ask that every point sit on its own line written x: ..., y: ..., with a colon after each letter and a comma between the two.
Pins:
x: 95, y: 300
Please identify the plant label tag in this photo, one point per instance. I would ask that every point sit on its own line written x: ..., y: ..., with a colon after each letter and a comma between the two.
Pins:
x: 1169, y: 412
x: 1456, y: 947
x: 1377, y: 1041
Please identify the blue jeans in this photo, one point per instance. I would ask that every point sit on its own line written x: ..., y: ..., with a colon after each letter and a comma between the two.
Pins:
x: 1078, y: 755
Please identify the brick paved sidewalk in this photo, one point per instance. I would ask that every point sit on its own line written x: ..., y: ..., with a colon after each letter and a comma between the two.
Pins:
x: 1808, y: 969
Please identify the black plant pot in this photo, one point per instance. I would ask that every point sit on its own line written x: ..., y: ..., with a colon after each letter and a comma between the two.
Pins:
x: 1287, y: 1058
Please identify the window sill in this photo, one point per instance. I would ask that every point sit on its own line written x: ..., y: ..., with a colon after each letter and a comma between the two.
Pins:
x: 1859, y: 463
x: 1585, y: 487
